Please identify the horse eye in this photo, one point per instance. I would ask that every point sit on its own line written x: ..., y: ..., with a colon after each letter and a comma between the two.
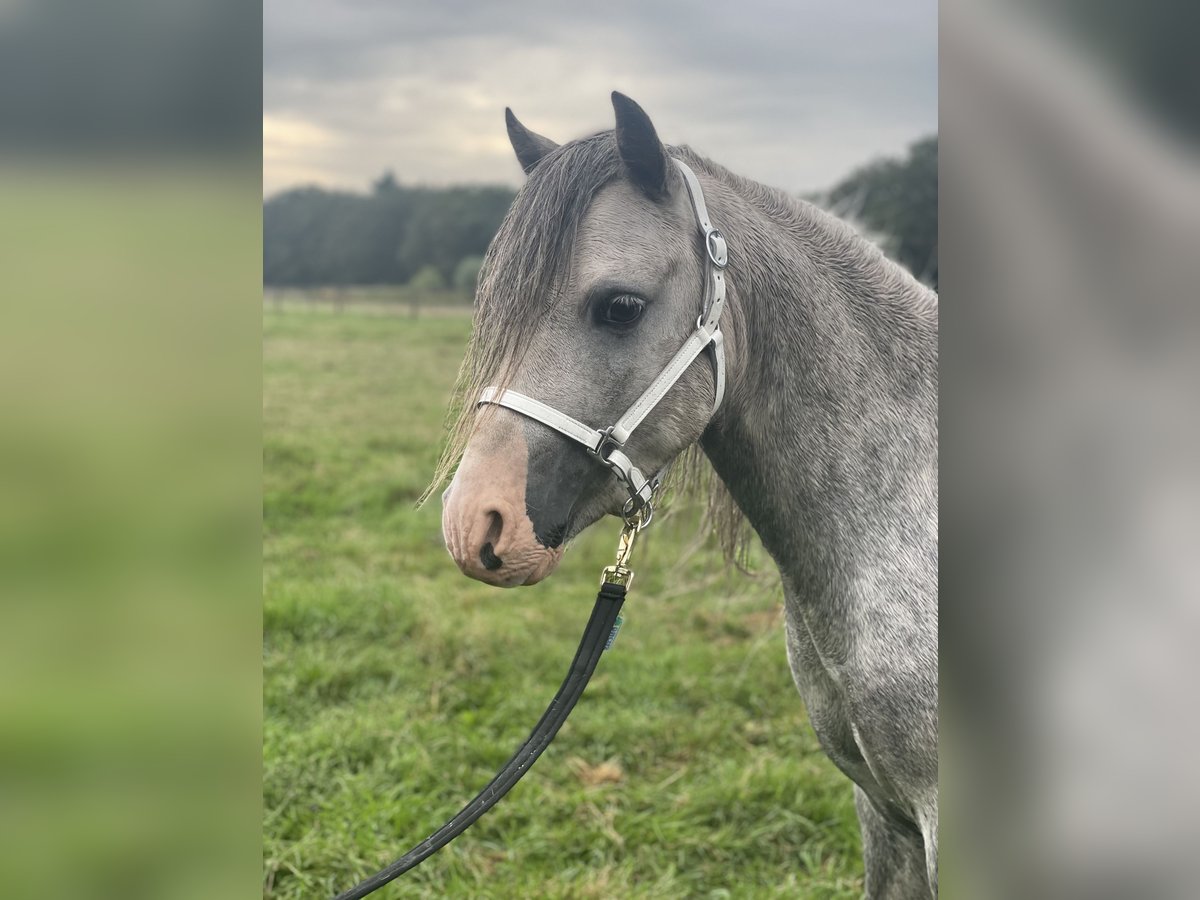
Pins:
x: 623, y: 309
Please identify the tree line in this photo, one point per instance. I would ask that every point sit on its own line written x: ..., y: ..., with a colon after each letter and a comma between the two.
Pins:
x: 395, y: 233
x: 435, y: 238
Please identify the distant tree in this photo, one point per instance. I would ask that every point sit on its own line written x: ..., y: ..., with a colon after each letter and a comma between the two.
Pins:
x: 427, y: 279
x: 315, y: 237
x: 898, y: 200
x: 385, y: 184
x: 453, y: 223
x: 466, y: 274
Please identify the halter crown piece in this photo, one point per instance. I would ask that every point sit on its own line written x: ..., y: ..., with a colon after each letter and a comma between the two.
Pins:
x: 608, y: 444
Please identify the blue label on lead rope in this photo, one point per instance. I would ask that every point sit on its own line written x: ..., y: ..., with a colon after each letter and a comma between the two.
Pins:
x: 612, y: 635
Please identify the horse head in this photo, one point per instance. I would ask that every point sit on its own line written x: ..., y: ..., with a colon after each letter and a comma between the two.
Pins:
x: 592, y: 283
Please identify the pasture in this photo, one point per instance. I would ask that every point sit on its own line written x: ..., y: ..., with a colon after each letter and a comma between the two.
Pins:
x: 394, y: 687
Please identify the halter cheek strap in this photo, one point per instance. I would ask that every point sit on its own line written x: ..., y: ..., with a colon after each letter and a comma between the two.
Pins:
x: 608, y: 444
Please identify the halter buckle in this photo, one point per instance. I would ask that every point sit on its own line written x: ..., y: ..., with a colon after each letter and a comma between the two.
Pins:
x: 718, y: 251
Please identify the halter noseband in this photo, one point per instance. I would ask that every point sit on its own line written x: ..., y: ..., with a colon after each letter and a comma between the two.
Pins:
x: 608, y: 445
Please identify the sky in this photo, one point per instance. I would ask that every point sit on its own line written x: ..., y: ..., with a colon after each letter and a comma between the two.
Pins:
x: 793, y: 94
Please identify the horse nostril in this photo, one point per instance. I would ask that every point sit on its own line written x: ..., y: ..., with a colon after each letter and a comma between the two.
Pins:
x: 488, y: 557
x: 487, y: 554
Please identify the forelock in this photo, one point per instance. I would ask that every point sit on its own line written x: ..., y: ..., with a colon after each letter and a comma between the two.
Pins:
x: 530, y: 257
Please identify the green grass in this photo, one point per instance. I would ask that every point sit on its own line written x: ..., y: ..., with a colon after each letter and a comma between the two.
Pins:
x: 394, y: 687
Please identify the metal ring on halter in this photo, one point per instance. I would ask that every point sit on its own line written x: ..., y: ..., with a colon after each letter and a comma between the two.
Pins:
x: 639, y: 517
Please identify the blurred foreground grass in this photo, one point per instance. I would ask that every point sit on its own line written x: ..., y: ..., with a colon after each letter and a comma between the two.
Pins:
x: 394, y: 687
x: 129, y: 526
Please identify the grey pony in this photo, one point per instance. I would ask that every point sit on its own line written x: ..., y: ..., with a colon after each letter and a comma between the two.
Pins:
x: 826, y: 439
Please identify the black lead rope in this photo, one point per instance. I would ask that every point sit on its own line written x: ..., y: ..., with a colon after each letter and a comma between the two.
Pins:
x: 596, y: 636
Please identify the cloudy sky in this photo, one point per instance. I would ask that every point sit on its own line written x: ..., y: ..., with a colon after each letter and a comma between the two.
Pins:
x: 793, y: 93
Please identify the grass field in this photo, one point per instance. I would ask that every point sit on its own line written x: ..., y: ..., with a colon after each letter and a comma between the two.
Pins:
x: 394, y: 687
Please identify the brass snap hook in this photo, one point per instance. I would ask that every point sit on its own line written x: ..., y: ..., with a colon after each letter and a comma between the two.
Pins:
x: 619, y: 572
x: 639, y: 515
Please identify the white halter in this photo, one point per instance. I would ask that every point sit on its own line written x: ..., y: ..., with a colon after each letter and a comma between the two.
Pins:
x: 608, y: 445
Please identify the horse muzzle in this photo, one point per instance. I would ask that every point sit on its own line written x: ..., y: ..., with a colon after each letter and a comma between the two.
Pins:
x: 485, y: 526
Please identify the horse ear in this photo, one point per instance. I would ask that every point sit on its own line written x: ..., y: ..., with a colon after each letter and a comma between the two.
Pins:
x: 529, y: 146
x: 642, y: 152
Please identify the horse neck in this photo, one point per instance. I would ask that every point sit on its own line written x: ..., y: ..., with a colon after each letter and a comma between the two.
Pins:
x: 828, y: 437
